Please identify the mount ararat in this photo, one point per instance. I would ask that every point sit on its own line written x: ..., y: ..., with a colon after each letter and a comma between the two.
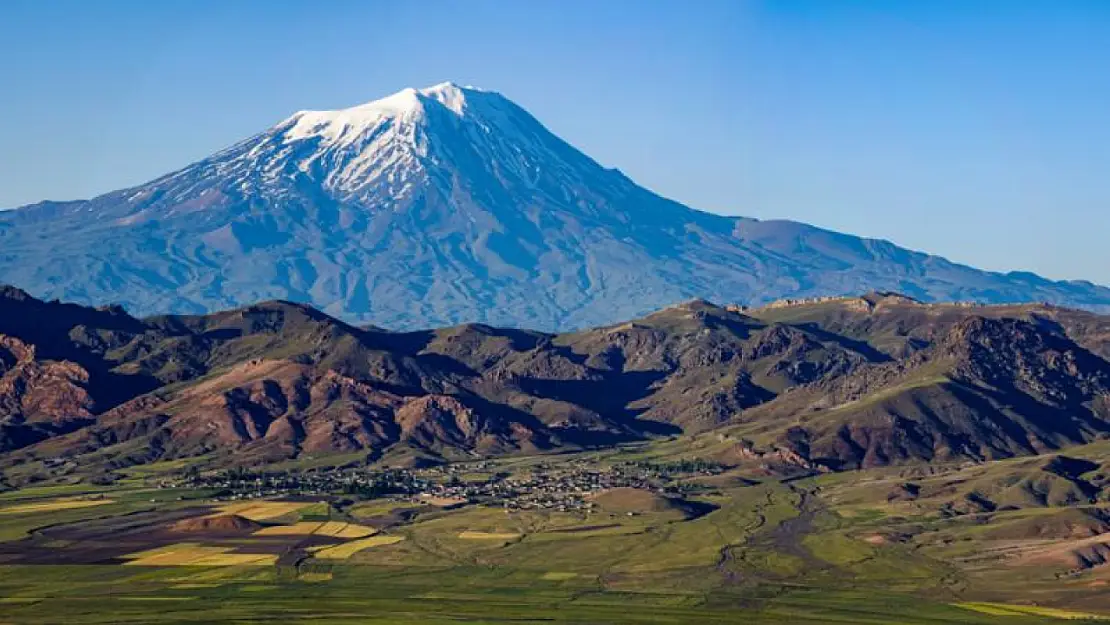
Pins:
x: 442, y: 205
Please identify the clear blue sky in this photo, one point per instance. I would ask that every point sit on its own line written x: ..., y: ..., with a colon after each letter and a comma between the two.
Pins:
x: 979, y: 130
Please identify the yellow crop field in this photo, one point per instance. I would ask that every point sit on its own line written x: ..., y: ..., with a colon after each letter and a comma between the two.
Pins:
x: 192, y: 554
x: 340, y: 529
x: 333, y: 529
x: 237, y: 559
x: 304, y: 528
x: 348, y: 549
x: 262, y: 510
x: 173, y: 555
x: 471, y: 535
x: 54, y: 504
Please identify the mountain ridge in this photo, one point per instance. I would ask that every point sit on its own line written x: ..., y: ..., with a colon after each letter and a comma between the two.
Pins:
x: 825, y: 387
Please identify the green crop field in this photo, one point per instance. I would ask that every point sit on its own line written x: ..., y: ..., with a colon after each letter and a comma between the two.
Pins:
x: 367, y: 593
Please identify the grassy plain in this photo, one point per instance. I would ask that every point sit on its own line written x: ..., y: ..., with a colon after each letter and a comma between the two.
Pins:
x: 842, y: 548
x: 53, y: 505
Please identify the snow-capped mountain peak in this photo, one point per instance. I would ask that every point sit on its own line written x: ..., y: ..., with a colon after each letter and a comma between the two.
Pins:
x: 384, y: 149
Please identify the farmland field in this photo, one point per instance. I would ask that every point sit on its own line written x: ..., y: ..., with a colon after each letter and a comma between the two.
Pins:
x: 51, y: 506
x: 823, y: 549
x: 334, y: 529
x: 263, y: 510
x: 348, y: 549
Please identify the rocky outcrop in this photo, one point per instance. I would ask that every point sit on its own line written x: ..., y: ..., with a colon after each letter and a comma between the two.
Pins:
x: 39, y: 398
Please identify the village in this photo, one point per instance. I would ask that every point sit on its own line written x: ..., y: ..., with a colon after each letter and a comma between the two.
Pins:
x: 548, y: 486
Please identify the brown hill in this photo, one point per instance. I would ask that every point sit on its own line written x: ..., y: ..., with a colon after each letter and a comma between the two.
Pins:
x: 271, y: 410
x: 223, y: 524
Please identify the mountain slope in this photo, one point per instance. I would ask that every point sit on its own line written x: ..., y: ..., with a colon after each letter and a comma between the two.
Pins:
x: 439, y: 206
x: 988, y: 388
